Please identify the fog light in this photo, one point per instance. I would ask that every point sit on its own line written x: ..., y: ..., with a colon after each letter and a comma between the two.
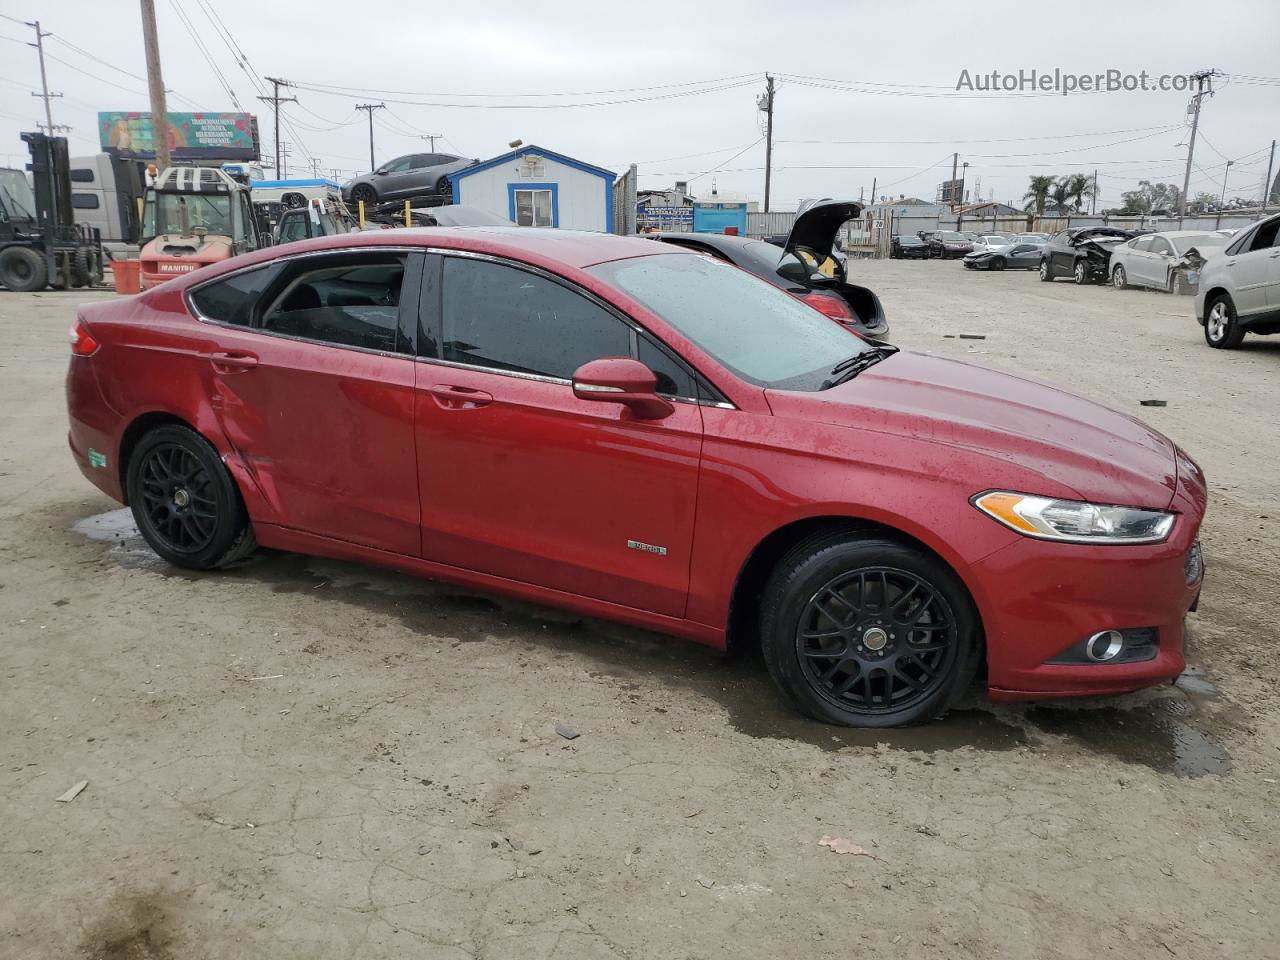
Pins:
x: 1104, y: 645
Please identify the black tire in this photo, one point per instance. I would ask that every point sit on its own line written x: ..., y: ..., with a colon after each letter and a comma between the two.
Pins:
x: 997, y: 263
x: 184, y: 501
x: 1221, y: 327
x: 1080, y: 273
x: 363, y: 191
x: 1046, y: 271
x: 444, y: 188
x: 812, y: 653
x: 1119, y: 279
x: 23, y: 270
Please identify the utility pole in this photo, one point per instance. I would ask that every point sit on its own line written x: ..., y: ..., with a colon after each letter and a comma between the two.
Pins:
x: 275, y: 100
x: 874, y: 181
x: 431, y: 138
x: 1225, y: 173
x: 282, y: 151
x: 1204, y: 84
x: 44, y: 94
x: 955, y: 164
x: 155, y: 86
x: 1095, y: 192
x: 765, y: 103
x: 1266, y: 186
x: 369, y: 108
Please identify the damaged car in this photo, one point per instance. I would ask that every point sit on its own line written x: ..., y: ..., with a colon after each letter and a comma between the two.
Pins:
x: 1083, y: 254
x: 1160, y: 261
x: 796, y: 268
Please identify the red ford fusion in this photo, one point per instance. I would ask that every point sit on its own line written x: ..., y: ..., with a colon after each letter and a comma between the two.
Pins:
x: 637, y: 432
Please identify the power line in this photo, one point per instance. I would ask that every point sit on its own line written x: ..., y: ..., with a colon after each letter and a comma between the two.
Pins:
x: 204, y: 51
x: 747, y: 77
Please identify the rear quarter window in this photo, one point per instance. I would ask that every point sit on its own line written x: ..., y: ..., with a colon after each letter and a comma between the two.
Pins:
x: 235, y: 299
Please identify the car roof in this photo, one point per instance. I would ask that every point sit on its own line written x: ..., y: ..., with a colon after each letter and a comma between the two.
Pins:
x: 543, y: 246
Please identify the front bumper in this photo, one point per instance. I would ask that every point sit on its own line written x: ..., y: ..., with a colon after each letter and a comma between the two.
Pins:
x: 1067, y: 592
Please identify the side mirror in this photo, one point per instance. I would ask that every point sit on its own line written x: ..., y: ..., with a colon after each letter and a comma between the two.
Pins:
x: 622, y: 380
x: 380, y: 172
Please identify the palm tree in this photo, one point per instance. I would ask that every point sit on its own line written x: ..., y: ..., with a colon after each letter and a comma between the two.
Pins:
x: 1080, y: 188
x: 1060, y: 198
x: 1038, y: 194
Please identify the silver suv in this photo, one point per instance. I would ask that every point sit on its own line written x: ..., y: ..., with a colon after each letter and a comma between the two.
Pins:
x: 1240, y: 287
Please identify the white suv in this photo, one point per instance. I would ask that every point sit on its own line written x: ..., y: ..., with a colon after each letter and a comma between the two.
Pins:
x: 1240, y: 287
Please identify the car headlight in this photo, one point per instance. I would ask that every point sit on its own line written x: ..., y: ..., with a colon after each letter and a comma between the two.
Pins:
x: 1074, y: 521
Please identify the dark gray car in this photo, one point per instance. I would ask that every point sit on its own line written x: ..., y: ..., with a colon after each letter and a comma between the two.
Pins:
x: 413, y: 175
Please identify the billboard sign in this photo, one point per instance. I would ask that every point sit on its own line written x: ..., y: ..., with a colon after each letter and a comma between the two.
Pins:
x: 664, y: 216
x: 192, y: 136
x: 951, y: 191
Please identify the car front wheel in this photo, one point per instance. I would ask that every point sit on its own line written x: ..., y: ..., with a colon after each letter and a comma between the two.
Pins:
x: 1079, y: 274
x: 1221, y: 327
x: 1118, y: 279
x: 997, y: 263
x: 868, y: 632
x: 1045, y: 273
x: 184, y: 501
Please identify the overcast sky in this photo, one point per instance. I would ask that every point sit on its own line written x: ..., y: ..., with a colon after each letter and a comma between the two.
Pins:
x: 855, y: 83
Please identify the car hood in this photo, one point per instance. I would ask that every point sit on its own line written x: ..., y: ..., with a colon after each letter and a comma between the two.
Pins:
x: 1100, y: 454
x: 816, y: 226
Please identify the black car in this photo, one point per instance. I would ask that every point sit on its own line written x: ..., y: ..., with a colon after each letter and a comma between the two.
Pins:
x: 796, y: 267
x: 1084, y: 254
x: 1014, y: 256
x: 908, y: 248
x: 949, y: 244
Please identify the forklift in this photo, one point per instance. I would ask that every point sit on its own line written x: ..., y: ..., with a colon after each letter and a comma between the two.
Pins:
x: 41, y: 245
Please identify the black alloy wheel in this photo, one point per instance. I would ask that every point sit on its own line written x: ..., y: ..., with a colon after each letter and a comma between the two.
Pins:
x: 868, y: 632
x: 362, y: 191
x: 876, y: 640
x: 997, y: 263
x: 184, y: 501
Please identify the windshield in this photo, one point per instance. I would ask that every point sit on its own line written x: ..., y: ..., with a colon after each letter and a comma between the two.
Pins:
x: 762, y: 334
x: 995, y: 241
x: 948, y: 235
x: 16, y: 195
x: 211, y: 211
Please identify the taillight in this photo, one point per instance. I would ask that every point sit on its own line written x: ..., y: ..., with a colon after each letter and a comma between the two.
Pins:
x: 834, y: 307
x: 82, y: 342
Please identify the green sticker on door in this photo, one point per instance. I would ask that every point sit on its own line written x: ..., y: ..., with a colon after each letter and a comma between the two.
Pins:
x: 97, y: 459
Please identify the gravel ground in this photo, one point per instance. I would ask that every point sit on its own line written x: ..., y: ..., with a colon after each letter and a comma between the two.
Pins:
x: 308, y: 759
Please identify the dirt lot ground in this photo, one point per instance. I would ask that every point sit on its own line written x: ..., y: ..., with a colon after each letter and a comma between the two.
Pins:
x: 308, y: 759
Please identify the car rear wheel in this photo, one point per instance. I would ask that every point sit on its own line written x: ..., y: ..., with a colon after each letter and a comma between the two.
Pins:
x: 22, y: 270
x: 184, y: 501
x: 868, y: 632
x: 1045, y: 273
x: 1118, y: 279
x: 1221, y: 327
x: 362, y: 191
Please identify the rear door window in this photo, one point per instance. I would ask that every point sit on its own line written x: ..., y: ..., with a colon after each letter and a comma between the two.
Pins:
x: 345, y: 301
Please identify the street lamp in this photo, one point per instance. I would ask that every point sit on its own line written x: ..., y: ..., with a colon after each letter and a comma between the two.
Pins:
x: 1225, y: 173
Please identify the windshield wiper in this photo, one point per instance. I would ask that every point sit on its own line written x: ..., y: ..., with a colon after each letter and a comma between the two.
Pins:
x: 846, y: 370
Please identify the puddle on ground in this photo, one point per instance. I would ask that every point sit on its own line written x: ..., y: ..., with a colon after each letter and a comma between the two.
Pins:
x: 1157, y: 733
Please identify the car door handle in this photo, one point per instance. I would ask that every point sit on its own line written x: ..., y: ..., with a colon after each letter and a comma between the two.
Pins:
x: 233, y: 362
x: 452, y: 397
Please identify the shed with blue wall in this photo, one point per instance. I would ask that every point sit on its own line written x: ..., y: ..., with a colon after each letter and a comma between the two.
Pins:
x: 533, y: 186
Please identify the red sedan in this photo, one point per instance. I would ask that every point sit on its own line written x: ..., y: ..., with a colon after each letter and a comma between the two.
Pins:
x: 637, y: 432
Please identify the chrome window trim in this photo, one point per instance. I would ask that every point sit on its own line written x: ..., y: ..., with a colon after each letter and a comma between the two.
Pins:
x: 446, y: 251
